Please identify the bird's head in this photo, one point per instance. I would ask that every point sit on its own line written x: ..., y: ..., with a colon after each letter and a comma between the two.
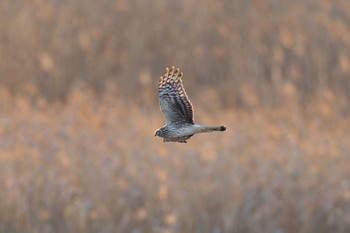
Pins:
x: 159, y: 132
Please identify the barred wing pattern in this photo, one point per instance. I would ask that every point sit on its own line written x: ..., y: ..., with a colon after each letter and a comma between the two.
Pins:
x: 177, y: 110
x: 174, y: 103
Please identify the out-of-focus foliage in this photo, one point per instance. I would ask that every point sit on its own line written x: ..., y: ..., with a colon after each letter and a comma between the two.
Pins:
x: 266, y: 46
x: 79, y: 107
x: 91, y: 166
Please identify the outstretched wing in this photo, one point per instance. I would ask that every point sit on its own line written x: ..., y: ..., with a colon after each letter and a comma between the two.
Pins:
x: 174, y: 103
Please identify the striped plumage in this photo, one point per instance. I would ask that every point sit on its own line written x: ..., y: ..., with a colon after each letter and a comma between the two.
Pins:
x: 177, y: 110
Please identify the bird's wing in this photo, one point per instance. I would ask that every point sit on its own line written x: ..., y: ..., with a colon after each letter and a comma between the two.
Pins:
x: 174, y: 103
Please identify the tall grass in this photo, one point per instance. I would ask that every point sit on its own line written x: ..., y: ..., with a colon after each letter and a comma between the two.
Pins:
x: 265, y: 46
x: 79, y: 107
x: 93, y: 165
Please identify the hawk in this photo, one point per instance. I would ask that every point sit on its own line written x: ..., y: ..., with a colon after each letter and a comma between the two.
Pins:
x: 177, y: 110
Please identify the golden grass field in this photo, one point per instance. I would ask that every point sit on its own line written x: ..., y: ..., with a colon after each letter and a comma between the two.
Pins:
x: 93, y: 165
x: 79, y: 108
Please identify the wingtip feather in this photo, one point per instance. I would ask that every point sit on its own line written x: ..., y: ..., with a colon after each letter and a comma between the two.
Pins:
x: 171, y: 72
x: 166, y: 71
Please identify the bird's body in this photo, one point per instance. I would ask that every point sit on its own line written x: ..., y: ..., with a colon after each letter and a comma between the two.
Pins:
x: 177, y: 110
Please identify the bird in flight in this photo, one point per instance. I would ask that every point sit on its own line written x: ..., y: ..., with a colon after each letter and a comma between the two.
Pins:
x: 177, y: 110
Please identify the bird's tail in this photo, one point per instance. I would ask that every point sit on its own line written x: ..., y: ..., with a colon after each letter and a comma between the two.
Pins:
x: 204, y: 129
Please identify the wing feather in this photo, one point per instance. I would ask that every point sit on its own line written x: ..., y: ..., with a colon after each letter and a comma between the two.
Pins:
x: 174, y: 103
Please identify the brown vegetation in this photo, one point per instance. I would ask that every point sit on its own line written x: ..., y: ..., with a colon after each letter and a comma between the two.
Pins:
x: 93, y: 165
x: 78, y: 111
x: 265, y: 45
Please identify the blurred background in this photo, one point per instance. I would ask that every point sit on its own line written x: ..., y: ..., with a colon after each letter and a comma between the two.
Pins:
x: 79, y: 107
